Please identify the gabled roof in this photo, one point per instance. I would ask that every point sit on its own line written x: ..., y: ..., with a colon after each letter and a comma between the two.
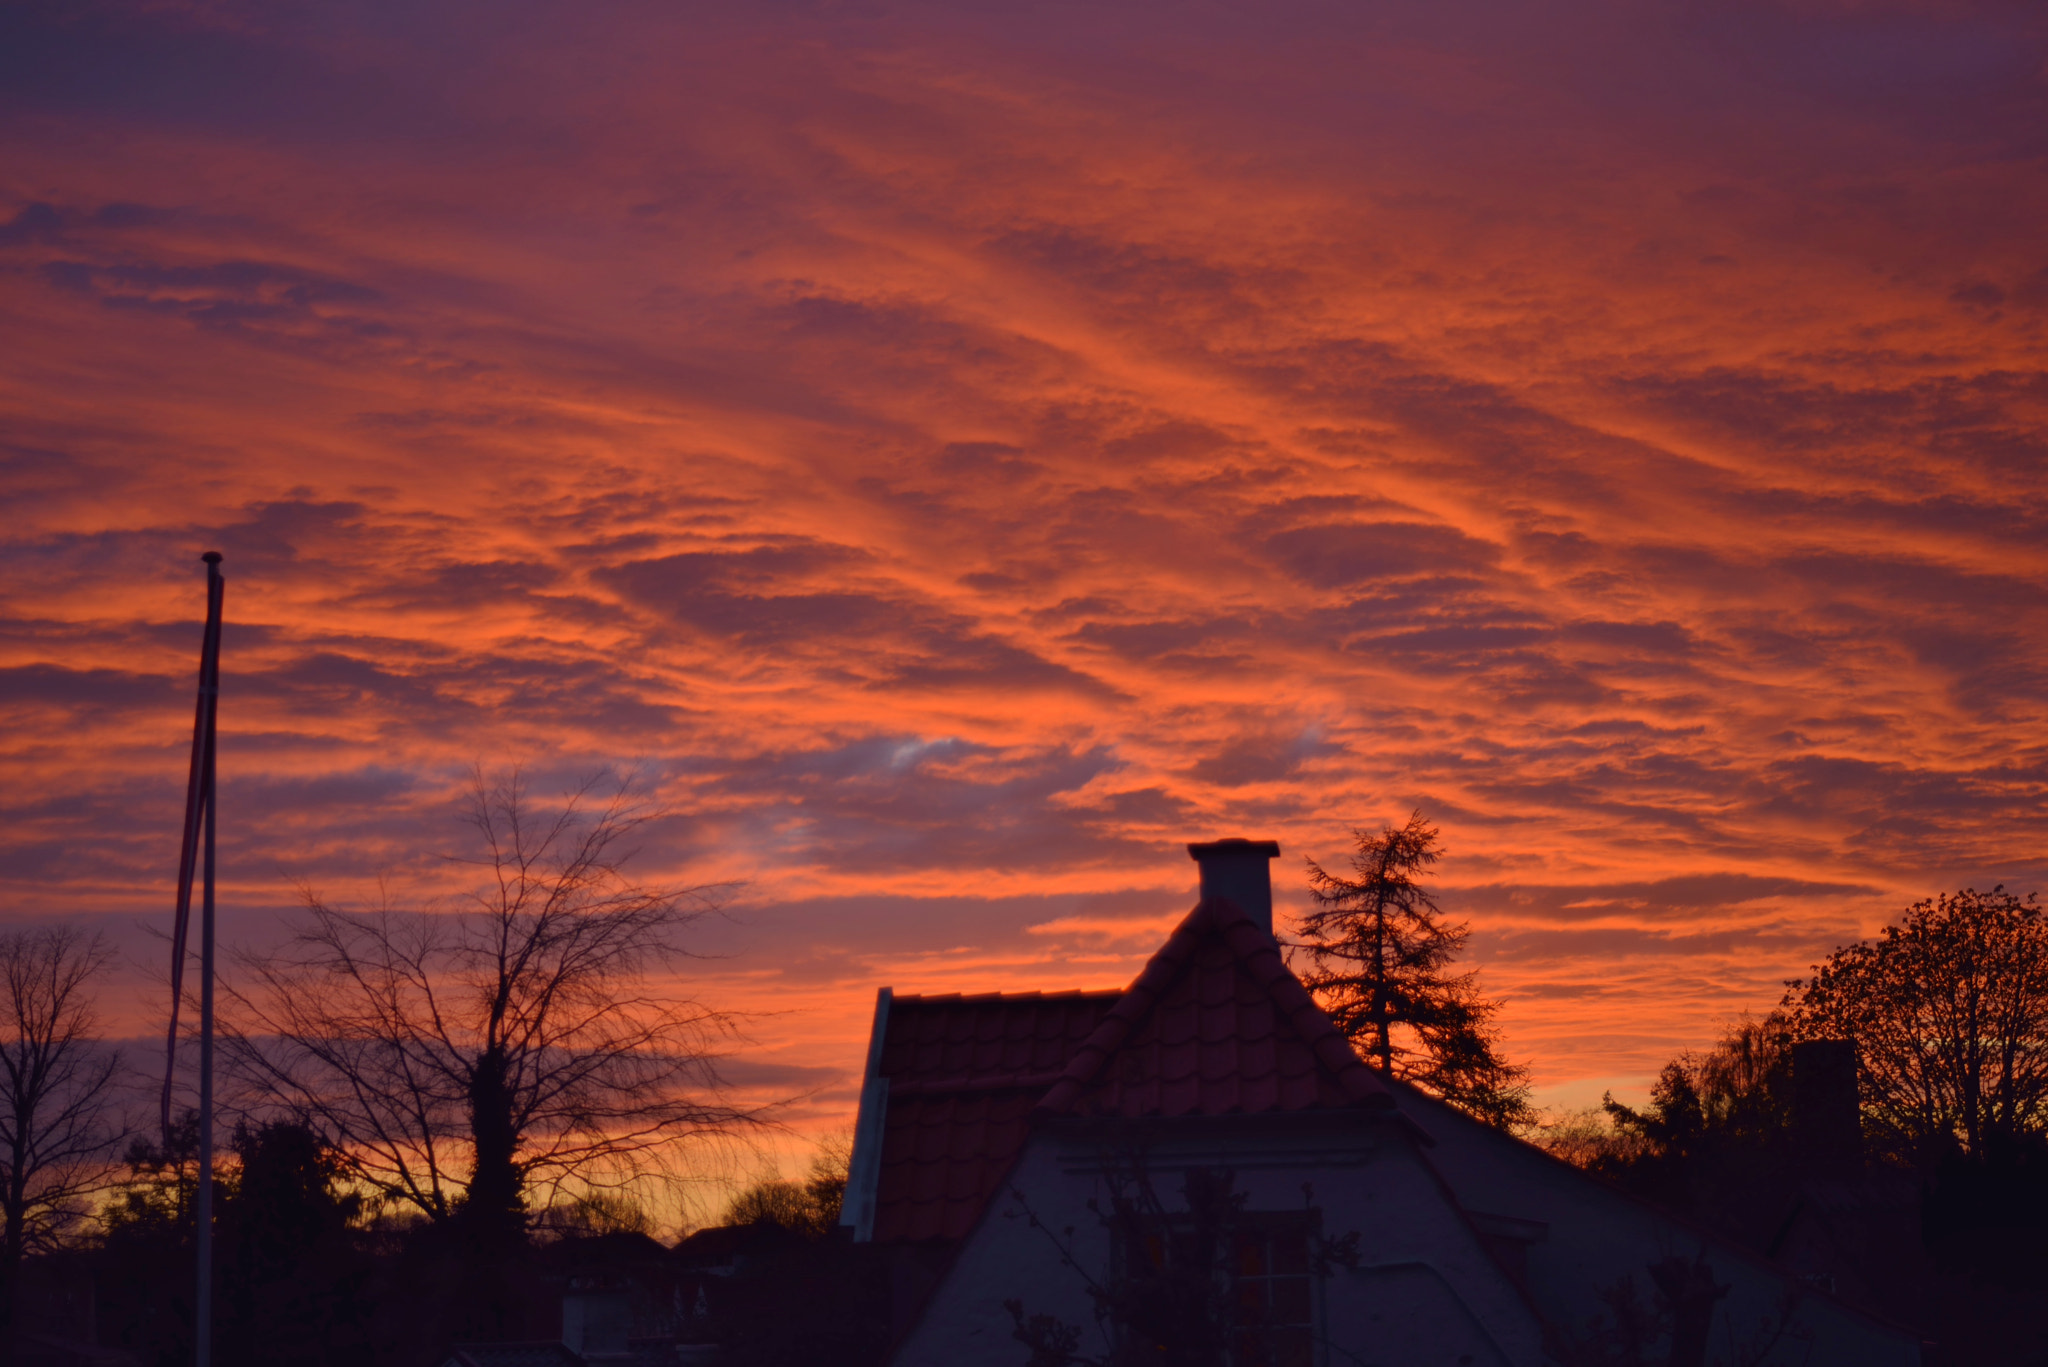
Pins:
x: 963, y: 1074
x: 1216, y: 1025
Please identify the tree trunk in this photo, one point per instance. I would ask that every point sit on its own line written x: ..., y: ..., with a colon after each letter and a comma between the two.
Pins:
x: 1382, y: 1022
x: 14, y: 1217
x: 491, y: 1223
x: 494, y: 1209
x: 13, y: 1242
x: 1973, y: 1079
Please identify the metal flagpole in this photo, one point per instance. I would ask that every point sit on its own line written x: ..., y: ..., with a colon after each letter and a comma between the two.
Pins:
x: 197, y: 849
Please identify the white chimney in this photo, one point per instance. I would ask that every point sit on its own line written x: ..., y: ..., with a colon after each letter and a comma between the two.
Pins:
x: 1238, y: 869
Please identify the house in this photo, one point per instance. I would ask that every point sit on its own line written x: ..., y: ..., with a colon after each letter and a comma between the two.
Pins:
x: 1039, y: 1164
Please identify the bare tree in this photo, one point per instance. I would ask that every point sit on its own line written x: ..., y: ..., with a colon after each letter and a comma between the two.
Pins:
x: 58, y: 1130
x: 465, y: 1057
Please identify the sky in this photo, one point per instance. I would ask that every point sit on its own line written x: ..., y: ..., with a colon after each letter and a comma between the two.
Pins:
x: 956, y: 454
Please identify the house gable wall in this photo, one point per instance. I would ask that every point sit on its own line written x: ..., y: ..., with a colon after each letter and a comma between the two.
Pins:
x: 1424, y: 1276
x: 1589, y: 1237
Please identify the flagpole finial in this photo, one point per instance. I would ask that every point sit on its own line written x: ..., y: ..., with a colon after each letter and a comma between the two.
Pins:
x: 211, y: 557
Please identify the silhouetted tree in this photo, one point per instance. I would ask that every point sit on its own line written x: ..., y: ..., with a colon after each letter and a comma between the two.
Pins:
x: 1736, y: 1093
x: 1949, y: 1011
x: 464, y: 1057
x: 291, y: 1276
x: 809, y: 1207
x: 57, y: 1131
x: 1716, y: 1138
x: 144, y: 1263
x: 1380, y: 951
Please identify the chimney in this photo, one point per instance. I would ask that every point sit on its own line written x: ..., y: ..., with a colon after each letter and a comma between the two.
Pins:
x: 1237, y: 869
x: 1827, y: 1122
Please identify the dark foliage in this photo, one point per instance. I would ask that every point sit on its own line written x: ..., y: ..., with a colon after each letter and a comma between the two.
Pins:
x: 1715, y: 1141
x: 1380, y: 952
x: 143, y: 1267
x: 1949, y: 1011
x: 291, y: 1278
x: 1987, y: 1217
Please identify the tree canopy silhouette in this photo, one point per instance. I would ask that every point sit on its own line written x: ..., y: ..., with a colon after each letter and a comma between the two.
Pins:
x: 463, y: 1057
x: 58, y: 1133
x: 809, y: 1206
x: 1380, y: 952
x: 1716, y: 1139
x: 1949, y: 1011
x: 1736, y: 1095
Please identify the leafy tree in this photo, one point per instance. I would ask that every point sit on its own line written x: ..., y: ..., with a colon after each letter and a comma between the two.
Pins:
x: 463, y: 1057
x: 1585, y: 1137
x: 1949, y: 1011
x: 1381, y: 950
x: 58, y: 1133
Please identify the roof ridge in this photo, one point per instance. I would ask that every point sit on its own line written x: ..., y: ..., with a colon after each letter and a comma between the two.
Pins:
x: 964, y: 998
x: 1255, y: 951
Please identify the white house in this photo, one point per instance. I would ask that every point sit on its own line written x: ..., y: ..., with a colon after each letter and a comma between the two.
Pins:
x: 1033, y: 1154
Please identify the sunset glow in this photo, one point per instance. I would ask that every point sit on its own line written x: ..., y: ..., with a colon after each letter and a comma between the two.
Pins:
x: 959, y: 455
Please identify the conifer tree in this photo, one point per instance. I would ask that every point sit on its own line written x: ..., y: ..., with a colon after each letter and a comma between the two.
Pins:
x: 1380, y: 952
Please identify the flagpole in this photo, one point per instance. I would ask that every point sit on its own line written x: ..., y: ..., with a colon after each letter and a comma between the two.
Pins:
x: 196, y: 848
x: 202, y: 1338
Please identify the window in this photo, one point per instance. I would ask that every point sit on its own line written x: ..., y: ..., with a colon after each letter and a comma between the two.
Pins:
x: 1273, y: 1294
x: 1247, y: 1291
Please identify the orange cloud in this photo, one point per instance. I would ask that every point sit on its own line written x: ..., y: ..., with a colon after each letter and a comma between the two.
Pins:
x: 961, y: 456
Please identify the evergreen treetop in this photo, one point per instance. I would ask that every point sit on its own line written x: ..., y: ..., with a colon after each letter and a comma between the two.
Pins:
x: 1380, y: 951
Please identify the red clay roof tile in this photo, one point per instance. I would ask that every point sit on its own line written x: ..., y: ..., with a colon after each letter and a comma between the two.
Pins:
x: 964, y: 1073
x: 1171, y: 1045
x: 1214, y: 1025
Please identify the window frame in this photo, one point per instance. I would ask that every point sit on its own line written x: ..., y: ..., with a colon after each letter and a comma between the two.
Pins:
x: 1172, y: 1227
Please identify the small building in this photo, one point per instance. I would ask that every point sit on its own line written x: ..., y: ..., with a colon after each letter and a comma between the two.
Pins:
x: 1203, y: 1154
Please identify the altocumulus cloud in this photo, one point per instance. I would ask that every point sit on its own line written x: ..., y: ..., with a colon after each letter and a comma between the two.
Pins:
x: 958, y: 454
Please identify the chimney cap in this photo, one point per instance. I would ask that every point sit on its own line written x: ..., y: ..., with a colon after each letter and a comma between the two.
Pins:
x: 1204, y: 849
